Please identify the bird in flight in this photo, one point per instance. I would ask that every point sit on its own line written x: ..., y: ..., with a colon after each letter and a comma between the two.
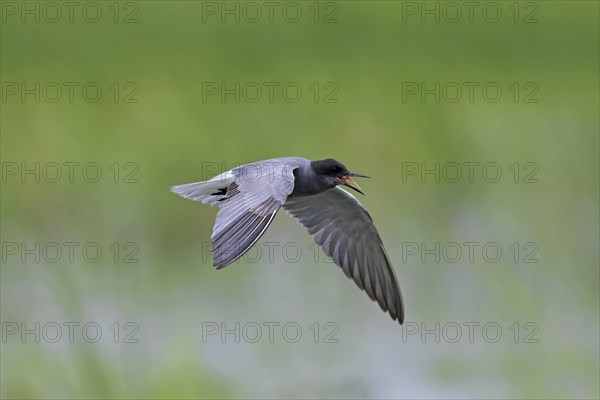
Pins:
x: 250, y: 195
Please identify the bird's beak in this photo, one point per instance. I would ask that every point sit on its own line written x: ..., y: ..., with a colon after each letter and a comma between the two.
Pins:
x: 348, y: 181
x: 358, y: 175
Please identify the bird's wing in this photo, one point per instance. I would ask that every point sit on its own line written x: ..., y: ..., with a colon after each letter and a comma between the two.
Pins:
x: 251, y: 203
x: 345, y: 232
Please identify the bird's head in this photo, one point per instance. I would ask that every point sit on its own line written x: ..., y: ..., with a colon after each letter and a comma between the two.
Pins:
x: 333, y: 173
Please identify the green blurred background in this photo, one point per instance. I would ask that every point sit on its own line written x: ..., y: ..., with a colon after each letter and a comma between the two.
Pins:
x: 173, y: 137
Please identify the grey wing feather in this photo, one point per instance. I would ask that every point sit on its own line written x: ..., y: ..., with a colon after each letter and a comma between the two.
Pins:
x: 345, y: 231
x: 237, y: 238
x: 251, y: 203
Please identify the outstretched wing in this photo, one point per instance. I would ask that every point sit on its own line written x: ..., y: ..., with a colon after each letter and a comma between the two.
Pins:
x: 249, y: 206
x: 345, y: 232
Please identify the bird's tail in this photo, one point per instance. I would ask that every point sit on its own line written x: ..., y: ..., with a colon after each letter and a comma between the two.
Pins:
x: 208, y: 192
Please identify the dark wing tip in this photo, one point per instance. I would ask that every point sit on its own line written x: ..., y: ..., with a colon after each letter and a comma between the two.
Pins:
x: 400, y: 316
x: 395, y: 310
x: 219, y: 265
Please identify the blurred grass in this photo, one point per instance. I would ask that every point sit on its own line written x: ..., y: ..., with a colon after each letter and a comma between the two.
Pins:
x: 171, y: 132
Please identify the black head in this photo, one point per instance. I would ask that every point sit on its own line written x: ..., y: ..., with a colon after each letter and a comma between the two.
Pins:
x: 332, y: 173
x: 329, y: 167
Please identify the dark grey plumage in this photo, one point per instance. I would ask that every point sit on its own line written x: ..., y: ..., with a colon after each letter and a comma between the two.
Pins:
x: 249, y: 196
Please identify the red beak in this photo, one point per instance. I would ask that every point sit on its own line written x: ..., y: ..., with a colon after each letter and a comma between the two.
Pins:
x: 347, y: 181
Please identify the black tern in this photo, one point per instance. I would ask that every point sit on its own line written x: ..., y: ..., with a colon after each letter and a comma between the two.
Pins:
x: 250, y: 195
